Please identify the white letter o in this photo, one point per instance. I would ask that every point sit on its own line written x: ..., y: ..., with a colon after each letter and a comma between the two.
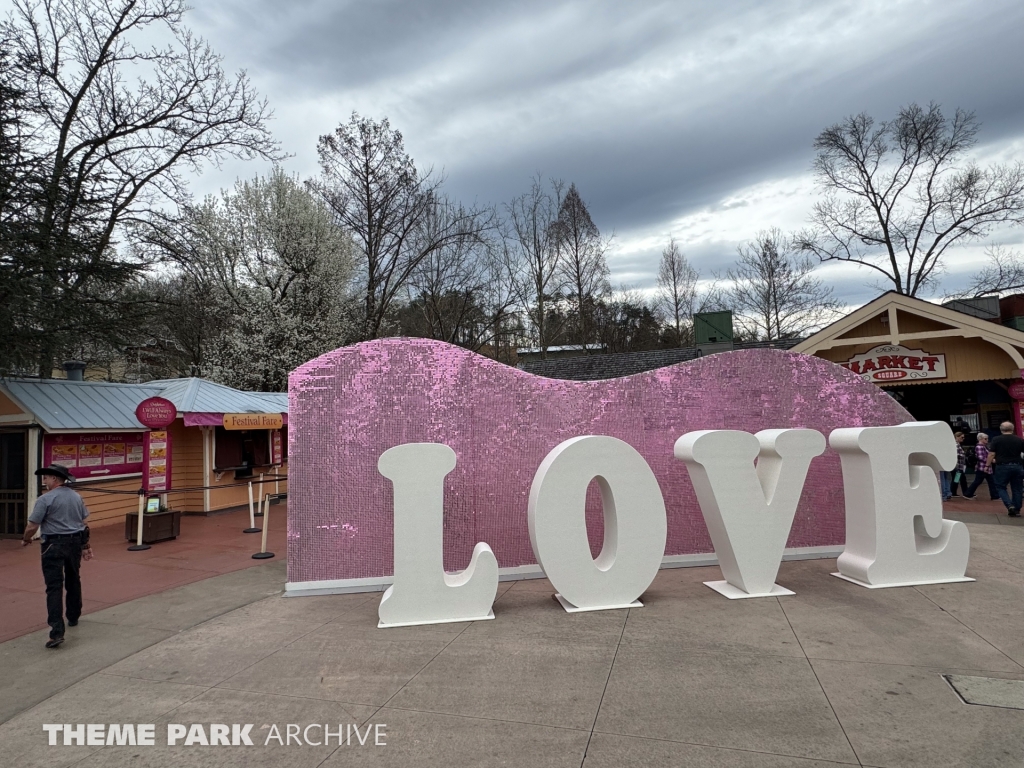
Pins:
x: 635, y: 524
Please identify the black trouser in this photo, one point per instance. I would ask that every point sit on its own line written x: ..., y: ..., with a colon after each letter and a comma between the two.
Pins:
x: 62, y: 558
x: 983, y: 477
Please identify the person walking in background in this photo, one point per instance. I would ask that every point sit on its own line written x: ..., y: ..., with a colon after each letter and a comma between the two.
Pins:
x: 982, y: 470
x: 59, y: 516
x: 1004, y: 456
x: 959, y: 477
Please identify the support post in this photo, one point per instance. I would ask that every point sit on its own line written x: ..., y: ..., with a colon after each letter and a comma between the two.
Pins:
x: 263, y: 554
x: 259, y: 498
x: 252, y: 515
x: 138, y: 546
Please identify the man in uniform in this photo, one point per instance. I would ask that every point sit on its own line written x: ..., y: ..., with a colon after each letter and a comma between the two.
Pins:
x: 59, y: 515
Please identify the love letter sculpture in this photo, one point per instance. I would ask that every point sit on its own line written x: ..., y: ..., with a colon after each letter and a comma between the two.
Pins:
x: 748, y: 510
x: 349, y: 406
x: 895, y: 534
x: 423, y: 593
x: 634, y: 523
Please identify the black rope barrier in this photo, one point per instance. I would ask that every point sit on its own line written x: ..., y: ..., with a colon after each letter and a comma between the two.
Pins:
x: 191, y: 489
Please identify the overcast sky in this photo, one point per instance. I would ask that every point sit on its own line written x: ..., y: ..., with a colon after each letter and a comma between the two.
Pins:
x: 692, y: 119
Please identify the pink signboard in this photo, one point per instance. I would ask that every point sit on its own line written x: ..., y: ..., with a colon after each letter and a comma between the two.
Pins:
x: 156, y: 412
x: 276, y: 448
x: 157, y: 475
x: 95, y: 455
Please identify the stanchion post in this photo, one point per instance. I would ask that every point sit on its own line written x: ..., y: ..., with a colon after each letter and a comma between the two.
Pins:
x: 259, y: 498
x: 252, y: 515
x: 263, y: 554
x: 138, y: 545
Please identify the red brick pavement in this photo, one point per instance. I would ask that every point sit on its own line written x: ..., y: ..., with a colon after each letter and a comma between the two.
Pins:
x: 207, y: 546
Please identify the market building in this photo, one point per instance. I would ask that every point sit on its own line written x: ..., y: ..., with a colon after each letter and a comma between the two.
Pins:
x: 959, y: 362
x: 220, y: 438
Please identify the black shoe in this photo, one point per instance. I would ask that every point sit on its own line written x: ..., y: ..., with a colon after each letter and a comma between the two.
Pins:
x: 53, y: 642
x: 1014, y: 513
x: 72, y: 622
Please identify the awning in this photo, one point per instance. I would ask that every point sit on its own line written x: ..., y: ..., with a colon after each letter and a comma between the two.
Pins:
x: 211, y: 419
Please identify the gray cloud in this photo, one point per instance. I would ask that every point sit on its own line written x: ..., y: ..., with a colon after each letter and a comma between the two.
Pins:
x: 657, y: 111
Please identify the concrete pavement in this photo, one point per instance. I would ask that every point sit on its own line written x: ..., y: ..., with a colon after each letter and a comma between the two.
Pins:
x: 834, y: 675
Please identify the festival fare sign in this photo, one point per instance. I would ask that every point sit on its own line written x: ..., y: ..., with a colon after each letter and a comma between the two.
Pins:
x: 893, y: 362
x: 237, y: 421
x: 157, y: 453
x: 95, y: 455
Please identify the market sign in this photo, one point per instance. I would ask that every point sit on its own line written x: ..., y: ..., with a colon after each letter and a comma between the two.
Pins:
x: 156, y: 412
x: 253, y: 421
x: 893, y: 362
x: 1016, y: 390
x: 95, y: 455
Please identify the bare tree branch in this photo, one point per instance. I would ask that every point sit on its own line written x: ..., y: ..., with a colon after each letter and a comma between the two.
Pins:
x: 774, y: 291
x: 898, y: 194
x: 115, y: 121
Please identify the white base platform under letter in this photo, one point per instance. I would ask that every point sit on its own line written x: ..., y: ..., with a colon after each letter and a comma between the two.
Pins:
x: 570, y: 608
x: 860, y: 583
x: 735, y: 593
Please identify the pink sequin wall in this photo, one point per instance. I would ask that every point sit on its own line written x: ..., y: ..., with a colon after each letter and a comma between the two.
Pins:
x: 349, y: 406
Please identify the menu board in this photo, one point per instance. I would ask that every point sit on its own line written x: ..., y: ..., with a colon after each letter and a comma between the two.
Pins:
x: 276, y: 448
x: 95, y: 455
x: 157, y: 449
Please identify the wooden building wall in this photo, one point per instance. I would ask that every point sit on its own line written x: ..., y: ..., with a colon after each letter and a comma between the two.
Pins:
x: 108, y: 508
x: 906, y: 322
x: 187, y: 471
x: 7, y: 406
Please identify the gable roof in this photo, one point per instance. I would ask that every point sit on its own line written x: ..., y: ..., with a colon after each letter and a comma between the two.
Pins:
x: 58, y: 404
x: 954, y: 323
x: 612, y: 366
x: 201, y: 396
x: 62, y: 405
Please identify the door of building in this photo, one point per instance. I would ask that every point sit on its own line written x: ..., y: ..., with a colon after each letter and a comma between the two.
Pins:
x: 13, y: 481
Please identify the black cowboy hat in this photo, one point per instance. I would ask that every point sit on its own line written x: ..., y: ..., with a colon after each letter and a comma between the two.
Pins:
x: 57, y: 470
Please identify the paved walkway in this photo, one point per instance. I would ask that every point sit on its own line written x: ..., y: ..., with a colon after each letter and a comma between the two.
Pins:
x: 207, y: 546
x: 834, y: 675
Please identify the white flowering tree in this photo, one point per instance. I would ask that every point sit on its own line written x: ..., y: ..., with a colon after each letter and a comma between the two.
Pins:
x: 272, y: 255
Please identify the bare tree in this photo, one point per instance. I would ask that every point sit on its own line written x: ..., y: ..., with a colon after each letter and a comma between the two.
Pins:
x: 581, y: 264
x: 462, y: 294
x: 395, y: 212
x: 676, y: 279
x: 680, y: 295
x: 1004, y: 273
x: 114, y: 121
x: 533, y: 239
x: 774, y: 291
x: 898, y: 194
